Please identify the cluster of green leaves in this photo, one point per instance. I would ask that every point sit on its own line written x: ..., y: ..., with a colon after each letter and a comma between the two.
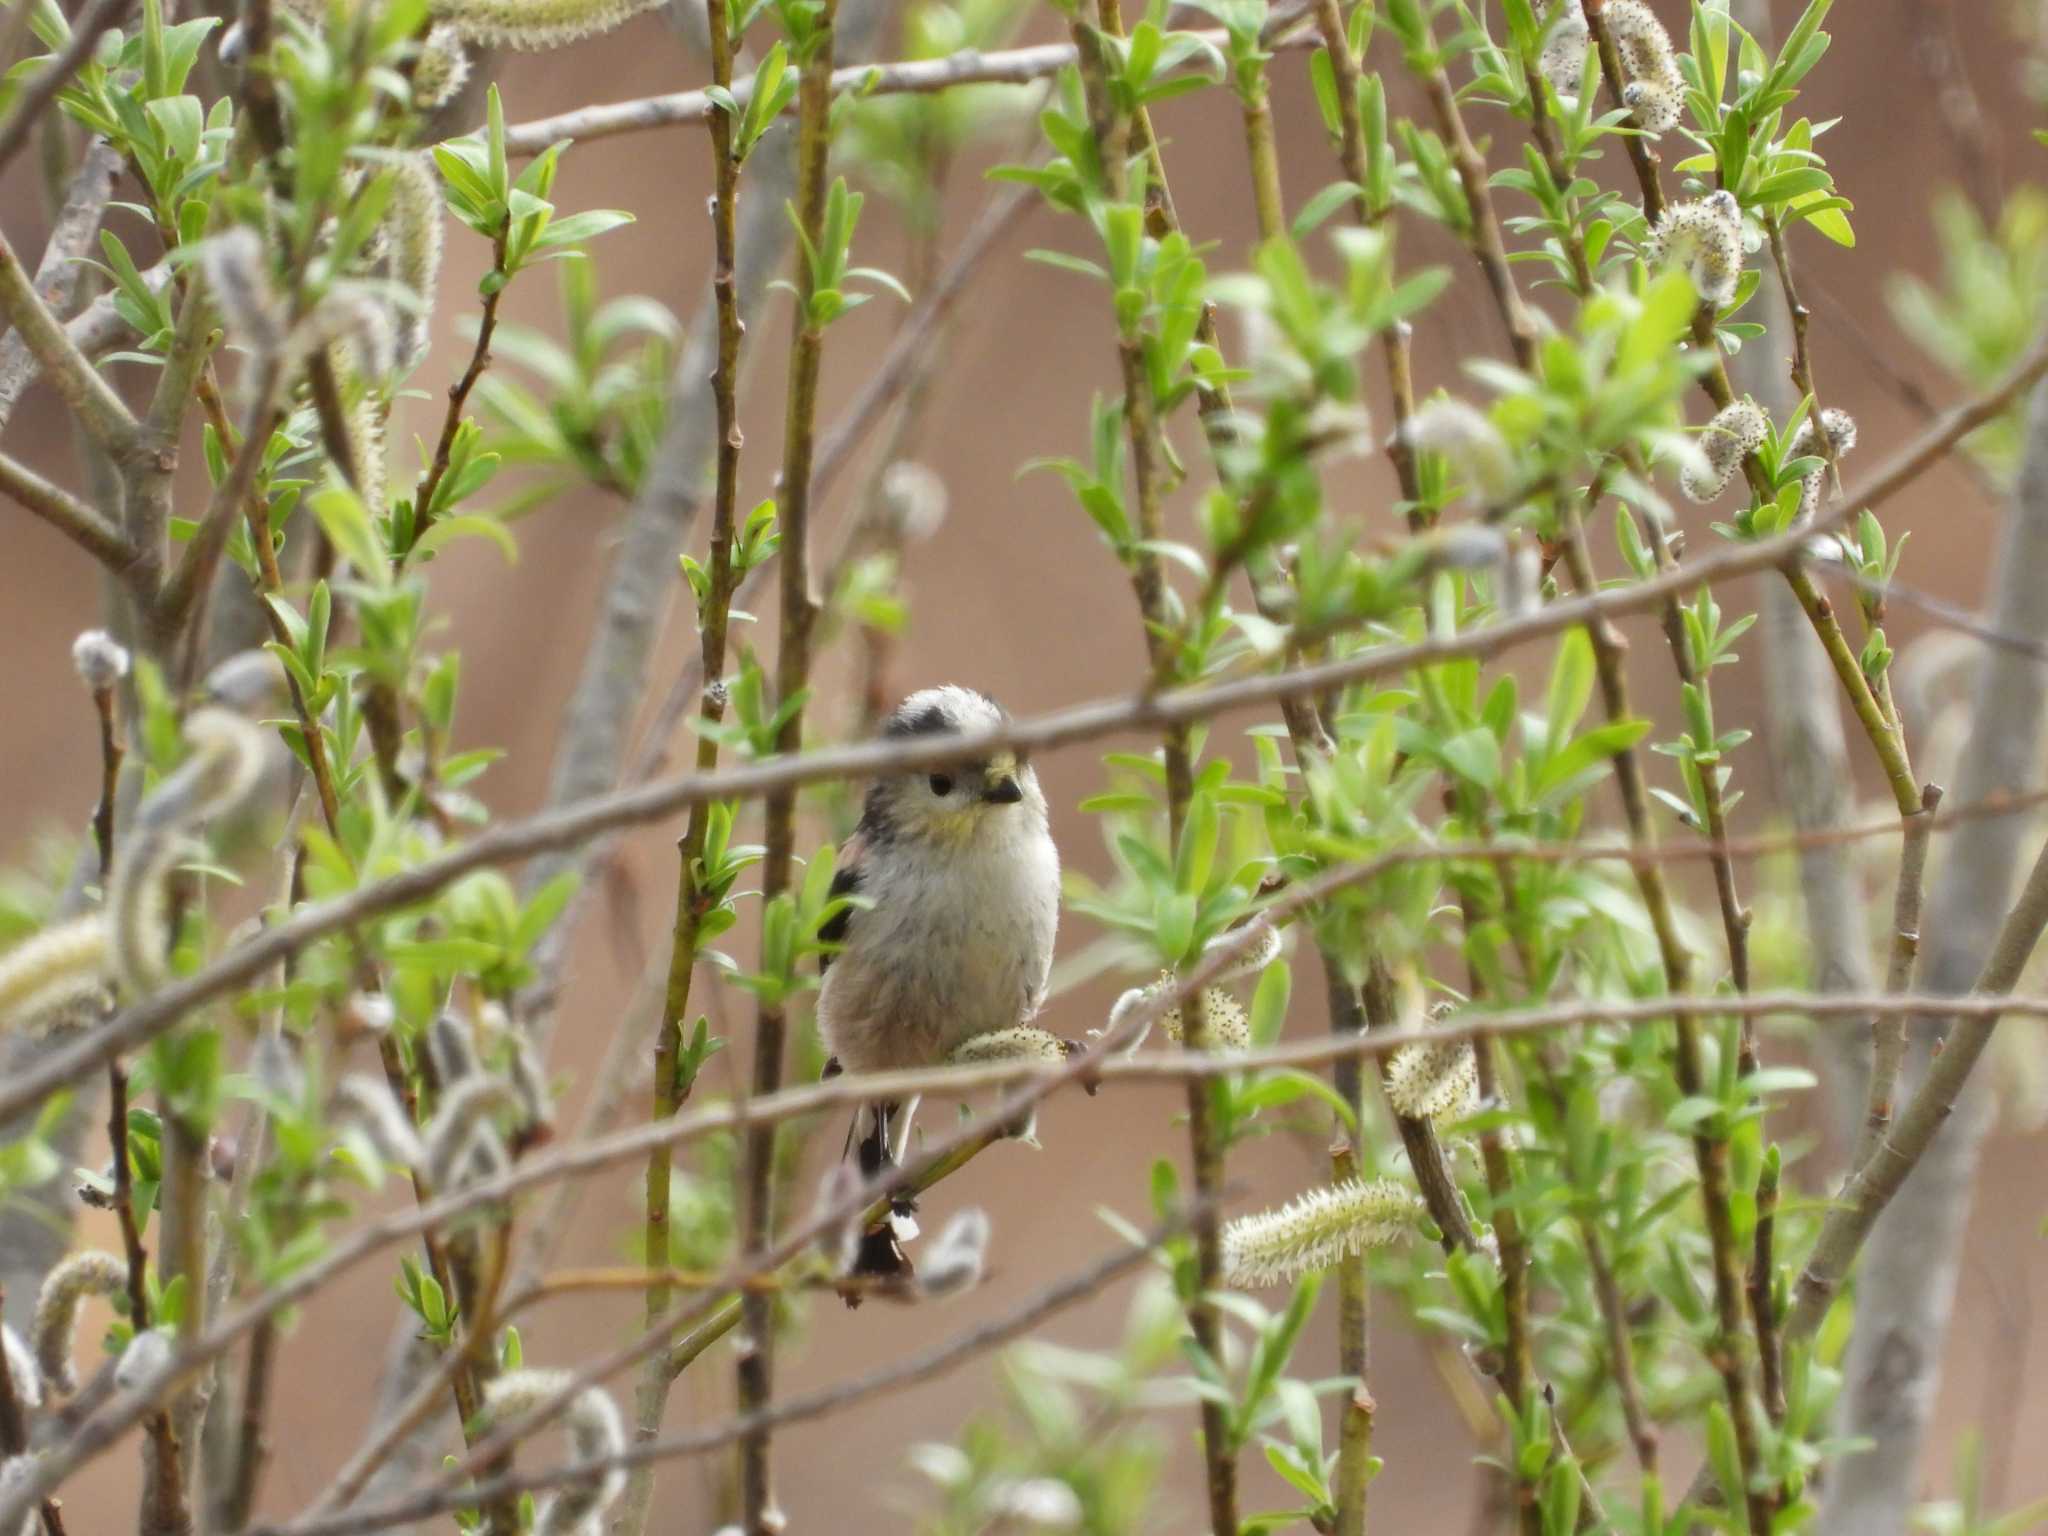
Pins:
x: 1071, y: 1444
x: 599, y: 416
x: 513, y: 212
x: 904, y: 145
x: 1991, y: 298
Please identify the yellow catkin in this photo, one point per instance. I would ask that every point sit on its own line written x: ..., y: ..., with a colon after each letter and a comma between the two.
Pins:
x: 532, y: 25
x: 64, y: 1291
x: 1022, y: 1042
x: 43, y: 977
x: 1316, y: 1230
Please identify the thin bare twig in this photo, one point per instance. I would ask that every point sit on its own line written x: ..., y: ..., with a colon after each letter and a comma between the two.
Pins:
x: 1012, y: 66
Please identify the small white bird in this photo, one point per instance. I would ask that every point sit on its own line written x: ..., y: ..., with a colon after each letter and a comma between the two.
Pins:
x: 959, y: 882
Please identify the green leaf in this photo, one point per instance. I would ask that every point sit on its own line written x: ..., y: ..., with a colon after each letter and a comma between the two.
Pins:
x: 447, y: 530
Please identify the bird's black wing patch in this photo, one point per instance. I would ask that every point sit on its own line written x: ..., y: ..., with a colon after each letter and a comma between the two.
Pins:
x: 845, y: 882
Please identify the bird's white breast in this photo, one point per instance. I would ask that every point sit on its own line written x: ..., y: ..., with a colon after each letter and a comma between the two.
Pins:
x: 958, y: 942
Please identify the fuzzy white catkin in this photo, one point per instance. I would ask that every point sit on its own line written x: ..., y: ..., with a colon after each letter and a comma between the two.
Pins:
x: 914, y: 499
x: 367, y: 1102
x: 1729, y: 438
x: 1264, y: 950
x: 13, y: 1470
x: 1655, y: 90
x: 452, y: 1045
x: 91, y: 1273
x: 441, y: 70
x: 1704, y: 237
x: 101, y: 660
x: 1840, y: 427
x: 953, y: 1263
x: 224, y: 757
x: 46, y: 976
x: 596, y: 1433
x: 461, y: 1143
x: 1433, y: 1080
x: 1468, y: 439
x: 414, y: 225
x: 1316, y: 1230
x: 1652, y: 86
x: 532, y: 25
x: 1045, y: 1503
x: 238, y: 276
x: 22, y: 1374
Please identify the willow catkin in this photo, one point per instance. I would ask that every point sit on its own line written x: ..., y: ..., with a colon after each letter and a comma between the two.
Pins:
x: 1021, y: 1042
x: 369, y: 1104
x: 1316, y: 1230
x: 1731, y: 437
x: 413, y: 227
x: 441, y: 70
x: 1840, y: 428
x: 1465, y: 437
x: 65, y: 1288
x: 224, y: 758
x: 48, y: 975
x: 1652, y: 86
x: 22, y: 1375
x: 597, y: 1435
x: 101, y: 660
x: 534, y: 25
x: 1433, y: 1080
x: 1704, y: 238
x: 953, y: 1260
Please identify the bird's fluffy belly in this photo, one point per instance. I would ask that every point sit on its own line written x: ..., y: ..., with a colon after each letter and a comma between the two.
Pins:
x: 938, y: 960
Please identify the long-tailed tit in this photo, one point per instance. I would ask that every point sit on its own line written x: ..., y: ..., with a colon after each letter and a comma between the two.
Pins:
x: 959, y: 887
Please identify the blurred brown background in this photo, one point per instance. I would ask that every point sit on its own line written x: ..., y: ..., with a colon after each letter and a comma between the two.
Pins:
x: 1014, y: 596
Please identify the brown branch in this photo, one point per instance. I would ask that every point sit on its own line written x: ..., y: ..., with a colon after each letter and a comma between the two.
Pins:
x: 1354, y: 1313
x: 714, y: 616
x: 458, y: 403
x: 70, y: 516
x: 14, y: 1442
x: 91, y: 399
x: 57, y: 274
x: 754, y: 1372
x: 1013, y: 66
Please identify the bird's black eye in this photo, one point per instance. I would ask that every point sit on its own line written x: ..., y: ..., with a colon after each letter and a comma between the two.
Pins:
x: 942, y: 784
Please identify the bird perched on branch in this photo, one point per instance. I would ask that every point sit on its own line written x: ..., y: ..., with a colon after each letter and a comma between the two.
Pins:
x: 958, y: 884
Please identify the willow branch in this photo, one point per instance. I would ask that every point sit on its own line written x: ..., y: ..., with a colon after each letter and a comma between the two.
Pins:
x: 714, y: 615
x: 57, y: 274
x: 1011, y: 66
x: 67, y: 514
x: 91, y: 399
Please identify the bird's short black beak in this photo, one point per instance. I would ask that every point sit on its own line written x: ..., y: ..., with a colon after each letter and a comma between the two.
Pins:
x: 1003, y: 792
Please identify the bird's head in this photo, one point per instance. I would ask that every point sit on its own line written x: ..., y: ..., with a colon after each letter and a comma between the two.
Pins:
x: 986, y: 799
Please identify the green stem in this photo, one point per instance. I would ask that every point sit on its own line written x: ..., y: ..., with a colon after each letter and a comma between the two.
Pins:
x: 713, y: 625
x: 757, y: 1215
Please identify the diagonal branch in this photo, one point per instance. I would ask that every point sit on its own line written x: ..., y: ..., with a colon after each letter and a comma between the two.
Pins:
x: 68, y: 515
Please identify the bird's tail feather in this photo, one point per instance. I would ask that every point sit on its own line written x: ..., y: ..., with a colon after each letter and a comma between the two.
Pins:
x: 875, y: 1137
